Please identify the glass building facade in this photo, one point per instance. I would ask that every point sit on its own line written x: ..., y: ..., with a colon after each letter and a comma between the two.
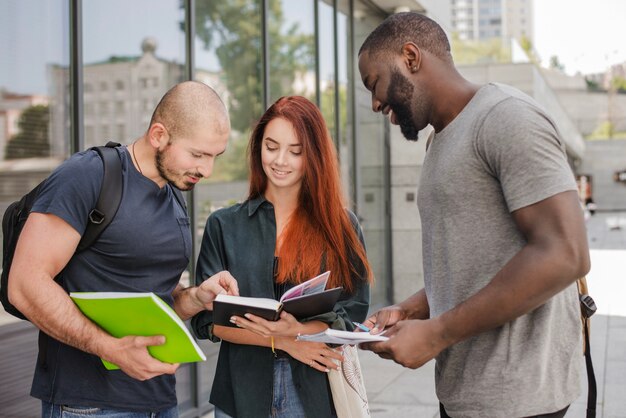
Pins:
x: 74, y: 74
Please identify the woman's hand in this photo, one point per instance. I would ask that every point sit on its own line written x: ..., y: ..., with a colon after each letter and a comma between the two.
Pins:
x: 286, y: 326
x: 316, y: 355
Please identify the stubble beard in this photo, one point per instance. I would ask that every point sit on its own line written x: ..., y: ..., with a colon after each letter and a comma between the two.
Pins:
x: 170, y: 176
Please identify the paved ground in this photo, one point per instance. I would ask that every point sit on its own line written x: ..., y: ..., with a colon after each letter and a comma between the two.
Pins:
x: 396, y: 392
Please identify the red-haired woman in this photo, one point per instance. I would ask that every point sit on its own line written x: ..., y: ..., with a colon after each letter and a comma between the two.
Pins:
x: 293, y: 226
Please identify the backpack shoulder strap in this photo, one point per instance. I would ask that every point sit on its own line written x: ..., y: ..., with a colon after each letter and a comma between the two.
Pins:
x: 587, y: 309
x: 110, y: 195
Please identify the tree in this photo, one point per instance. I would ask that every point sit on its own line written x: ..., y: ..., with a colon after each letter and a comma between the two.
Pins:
x: 527, y: 46
x: 467, y: 52
x: 233, y: 29
x: 556, y: 64
x: 32, y: 140
x: 619, y: 84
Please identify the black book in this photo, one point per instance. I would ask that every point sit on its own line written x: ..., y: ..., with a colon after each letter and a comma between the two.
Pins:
x: 305, y: 300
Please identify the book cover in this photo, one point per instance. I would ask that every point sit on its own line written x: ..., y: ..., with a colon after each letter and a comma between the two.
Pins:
x: 225, y: 306
x: 304, y: 300
x: 143, y: 314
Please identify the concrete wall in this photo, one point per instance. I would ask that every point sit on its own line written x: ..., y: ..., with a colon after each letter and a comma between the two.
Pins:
x: 587, y: 109
x: 602, y: 159
x: 407, y: 158
x: 528, y: 78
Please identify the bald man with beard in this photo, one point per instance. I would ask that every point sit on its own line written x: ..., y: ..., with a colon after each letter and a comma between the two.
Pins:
x: 145, y: 248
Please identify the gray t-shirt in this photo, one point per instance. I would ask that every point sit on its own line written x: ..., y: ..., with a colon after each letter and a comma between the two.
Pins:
x: 500, y: 154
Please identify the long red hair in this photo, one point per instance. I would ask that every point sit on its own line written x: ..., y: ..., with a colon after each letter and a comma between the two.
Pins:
x: 320, y: 229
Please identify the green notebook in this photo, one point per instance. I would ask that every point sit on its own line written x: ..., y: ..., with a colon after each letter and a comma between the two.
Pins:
x: 144, y: 314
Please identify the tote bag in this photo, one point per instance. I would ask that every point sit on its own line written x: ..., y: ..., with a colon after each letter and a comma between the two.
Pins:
x: 347, y: 387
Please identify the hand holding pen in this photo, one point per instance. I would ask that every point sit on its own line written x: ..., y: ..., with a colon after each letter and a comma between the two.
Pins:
x: 361, y: 326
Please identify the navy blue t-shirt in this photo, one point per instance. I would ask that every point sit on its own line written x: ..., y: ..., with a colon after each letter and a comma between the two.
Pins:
x: 144, y: 249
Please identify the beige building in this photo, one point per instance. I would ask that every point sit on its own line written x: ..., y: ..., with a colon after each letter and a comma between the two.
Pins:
x: 487, y: 19
x: 120, y: 95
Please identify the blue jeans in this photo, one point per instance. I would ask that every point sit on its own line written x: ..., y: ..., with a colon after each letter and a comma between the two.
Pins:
x: 49, y: 410
x: 286, y: 402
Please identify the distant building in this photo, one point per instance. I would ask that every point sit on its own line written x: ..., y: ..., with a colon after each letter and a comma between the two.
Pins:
x: 480, y: 20
x: 120, y: 95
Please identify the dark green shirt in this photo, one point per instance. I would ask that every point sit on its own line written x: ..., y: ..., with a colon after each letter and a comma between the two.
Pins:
x: 242, y: 239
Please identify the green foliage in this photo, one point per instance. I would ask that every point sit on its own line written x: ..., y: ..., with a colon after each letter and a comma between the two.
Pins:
x: 233, y: 29
x: 592, y: 85
x: 619, y: 84
x: 327, y: 106
x: 556, y: 64
x: 233, y: 164
x: 604, y: 131
x: 467, y: 52
x: 527, y: 46
x: 32, y: 140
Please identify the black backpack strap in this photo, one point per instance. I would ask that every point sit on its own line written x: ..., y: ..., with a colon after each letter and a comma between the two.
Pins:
x: 587, y: 309
x: 591, y: 377
x: 110, y: 195
x: 100, y: 217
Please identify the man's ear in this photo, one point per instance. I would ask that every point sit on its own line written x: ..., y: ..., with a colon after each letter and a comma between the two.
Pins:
x: 158, y: 135
x: 412, y: 57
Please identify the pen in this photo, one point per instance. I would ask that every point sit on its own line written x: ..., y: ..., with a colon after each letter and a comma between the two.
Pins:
x: 361, y: 326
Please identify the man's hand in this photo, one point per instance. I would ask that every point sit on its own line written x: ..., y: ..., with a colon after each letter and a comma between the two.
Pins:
x: 222, y: 282
x: 412, y: 343
x: 385, y: 318
x: 189, y: 301
x: 131, y: 355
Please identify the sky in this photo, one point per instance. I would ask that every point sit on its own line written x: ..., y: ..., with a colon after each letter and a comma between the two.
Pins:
x: 586, y: 35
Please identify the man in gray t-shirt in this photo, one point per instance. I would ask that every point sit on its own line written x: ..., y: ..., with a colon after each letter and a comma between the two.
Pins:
x: 503, y: 234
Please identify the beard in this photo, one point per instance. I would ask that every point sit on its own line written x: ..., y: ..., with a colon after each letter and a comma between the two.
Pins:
x: 176, y: 180
x: 399, y: 94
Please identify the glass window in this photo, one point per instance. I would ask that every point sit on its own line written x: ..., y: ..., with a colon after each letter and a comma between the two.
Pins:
x: 372, y: 161
x: 345, y: 128
x: 228, y: 57
x: 34, y: 139
x: 120, y: 107
x: 291, y: 49
x: 33, y: 71
x: 326, y: 34
x: 124, y: 62
x: 142, y: 58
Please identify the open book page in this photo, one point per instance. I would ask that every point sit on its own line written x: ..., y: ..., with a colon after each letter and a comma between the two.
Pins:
x: 335, y: 336
x: 315, y: 285
x: 263, y: 303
